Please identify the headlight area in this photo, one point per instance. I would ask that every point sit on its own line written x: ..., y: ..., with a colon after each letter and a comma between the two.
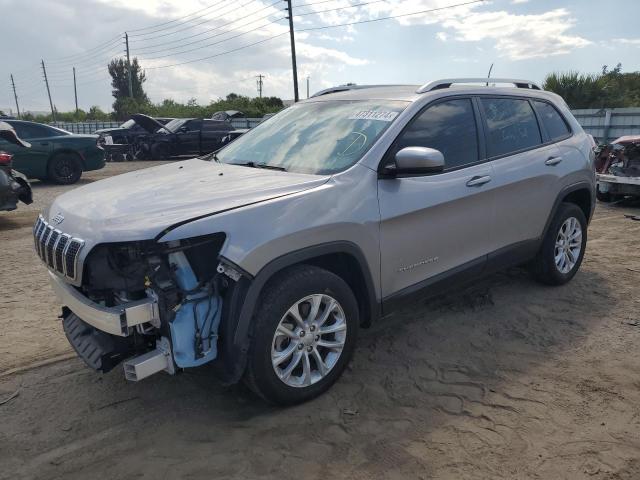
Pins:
x: 181, y: 283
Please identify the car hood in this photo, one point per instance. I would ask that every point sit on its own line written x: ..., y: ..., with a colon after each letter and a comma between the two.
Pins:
x: 102, y: 131
x: 140, y: 205
x: 148, y: 123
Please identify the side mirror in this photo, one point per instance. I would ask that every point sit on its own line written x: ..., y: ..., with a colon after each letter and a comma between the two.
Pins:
x: 183, y: 130
x: 417, y: 161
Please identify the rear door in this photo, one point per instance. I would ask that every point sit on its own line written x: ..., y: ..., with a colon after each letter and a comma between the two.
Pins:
x: 525, y: 177
x: 436, y: 223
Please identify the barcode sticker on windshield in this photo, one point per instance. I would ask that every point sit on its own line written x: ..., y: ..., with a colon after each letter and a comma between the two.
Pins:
x: 374, y: 115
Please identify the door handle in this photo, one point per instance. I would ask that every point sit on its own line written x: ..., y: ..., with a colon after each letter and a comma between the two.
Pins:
x: 478, y: 181
x: 44, y: 144
x: 551, y: 161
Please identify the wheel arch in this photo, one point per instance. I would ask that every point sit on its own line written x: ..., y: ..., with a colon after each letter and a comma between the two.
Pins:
x: 581, y: 194
x: 344, y: 259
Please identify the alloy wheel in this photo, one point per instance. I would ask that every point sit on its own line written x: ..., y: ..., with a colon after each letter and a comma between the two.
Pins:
x: 309, y: 340
x: 568, y: 245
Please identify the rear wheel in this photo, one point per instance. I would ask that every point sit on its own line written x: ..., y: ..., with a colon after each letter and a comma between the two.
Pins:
x: 305, y: 334
x: 563, y: 247
x: 64, y: 168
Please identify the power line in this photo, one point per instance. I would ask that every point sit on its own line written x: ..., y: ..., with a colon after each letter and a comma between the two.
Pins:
x: 181, y: 29
x: 88, y: 53
x: 339, y: 8
x: 212, y: 29
x: 215, y: 43
x: 379, y: 19
x: 175, y: 20
x: 214, y: 36
x: 219, y: 54
x: 312, y: 3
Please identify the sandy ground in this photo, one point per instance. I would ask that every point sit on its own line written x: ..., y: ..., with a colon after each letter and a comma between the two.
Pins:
x: 506, y: 379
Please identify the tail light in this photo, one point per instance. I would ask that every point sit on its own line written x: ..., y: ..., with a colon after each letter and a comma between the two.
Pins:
x: 5, y: 158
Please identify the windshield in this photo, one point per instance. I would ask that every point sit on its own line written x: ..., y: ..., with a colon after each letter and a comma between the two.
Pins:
x: 318, y: 138
x: 175, y: 124
x: 128, y: 124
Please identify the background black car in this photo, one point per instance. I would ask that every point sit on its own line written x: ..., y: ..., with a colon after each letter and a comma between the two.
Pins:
x: 185, y: 136
x: 125, y: 133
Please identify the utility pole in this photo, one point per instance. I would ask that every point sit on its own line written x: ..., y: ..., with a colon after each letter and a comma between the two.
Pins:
x: 46, y: 82
x: 307, y: 86
x: 75, y: 89
x: 260, y: 77
x: 296, y: 97
x: 126, y: 40
x: 15, y: 95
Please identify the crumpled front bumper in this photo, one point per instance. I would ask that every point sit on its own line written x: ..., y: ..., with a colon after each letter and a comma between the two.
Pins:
x: 13, y: 188
x: 113, y: 320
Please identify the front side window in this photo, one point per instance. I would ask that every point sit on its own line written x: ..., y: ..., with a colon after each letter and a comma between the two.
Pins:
x: 553, y: 122
x: 449, y: 127
x: 511, y: 125
x: 321, y: 138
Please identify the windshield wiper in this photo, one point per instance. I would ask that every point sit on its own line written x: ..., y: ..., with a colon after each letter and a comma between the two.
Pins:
x: 262, y: 165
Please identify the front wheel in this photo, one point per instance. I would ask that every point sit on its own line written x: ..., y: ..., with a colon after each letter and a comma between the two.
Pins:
x: 563, y: 247
x: 305, y: 333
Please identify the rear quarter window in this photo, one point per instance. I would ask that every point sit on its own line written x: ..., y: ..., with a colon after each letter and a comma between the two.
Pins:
x: 554, y: 124
x: 511, y: 125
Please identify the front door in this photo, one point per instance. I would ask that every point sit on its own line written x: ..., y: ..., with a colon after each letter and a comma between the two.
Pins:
x: 440, y: 223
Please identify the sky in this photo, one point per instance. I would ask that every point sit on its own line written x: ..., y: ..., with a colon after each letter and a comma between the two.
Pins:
x: 205, y: 49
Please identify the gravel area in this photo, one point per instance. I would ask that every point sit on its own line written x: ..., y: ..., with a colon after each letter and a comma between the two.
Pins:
x: 506, y: 379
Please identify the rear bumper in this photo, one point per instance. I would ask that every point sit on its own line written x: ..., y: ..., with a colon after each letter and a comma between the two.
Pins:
x: 113, y: 320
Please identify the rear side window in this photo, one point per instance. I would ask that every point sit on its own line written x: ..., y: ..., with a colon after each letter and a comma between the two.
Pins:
x: 511, y: 125
x: 553, y: 122
x: 448, y: 126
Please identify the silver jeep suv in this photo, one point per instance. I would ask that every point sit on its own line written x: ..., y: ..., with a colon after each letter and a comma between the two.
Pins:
x: 264, y: 258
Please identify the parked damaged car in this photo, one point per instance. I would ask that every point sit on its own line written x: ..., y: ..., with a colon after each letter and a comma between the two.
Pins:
x: 618, y: 169
x: 184, y: 136
x: 126, y: 133
x: 264, y: 258
x: 13, y: 186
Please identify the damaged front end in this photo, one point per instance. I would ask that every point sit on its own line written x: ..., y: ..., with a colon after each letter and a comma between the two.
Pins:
x: 155, y: 306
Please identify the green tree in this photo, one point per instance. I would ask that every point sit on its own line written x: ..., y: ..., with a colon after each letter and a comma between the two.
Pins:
x: 608, y: 89
x: 124, y: 105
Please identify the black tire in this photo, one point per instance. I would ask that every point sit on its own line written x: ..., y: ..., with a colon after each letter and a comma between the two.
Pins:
x: 282, y: 292
x: 64, y: 168
x: 159, y: 151
x: 543, y: 267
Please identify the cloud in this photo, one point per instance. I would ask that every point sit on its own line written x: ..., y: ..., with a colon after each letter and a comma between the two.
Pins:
x: 517, y: 2
x: 442, y: 36
x: 519, y: 37
x: 628, y: 41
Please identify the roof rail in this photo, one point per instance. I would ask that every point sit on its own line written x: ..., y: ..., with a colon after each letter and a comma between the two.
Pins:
x: 344, y: 88
x: 447, y: 82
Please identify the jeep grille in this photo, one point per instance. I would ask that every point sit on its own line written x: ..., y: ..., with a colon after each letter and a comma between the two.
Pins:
x: 57, y: 250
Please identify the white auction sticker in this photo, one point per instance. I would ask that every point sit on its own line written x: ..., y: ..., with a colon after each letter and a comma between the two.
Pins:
x: 374, y: 115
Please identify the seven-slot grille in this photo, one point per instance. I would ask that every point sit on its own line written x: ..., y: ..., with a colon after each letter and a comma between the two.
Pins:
x: 58, y: 250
